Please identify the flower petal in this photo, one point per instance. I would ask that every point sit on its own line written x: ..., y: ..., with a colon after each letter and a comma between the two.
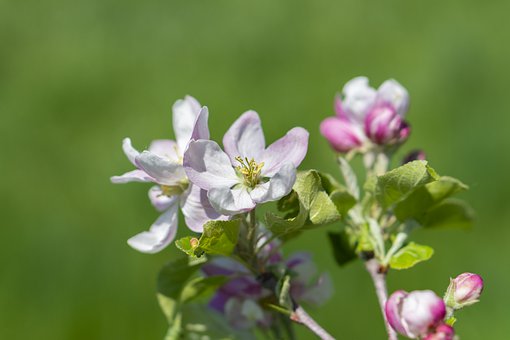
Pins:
x: 342, y: 135
x: 291, y: 148
x: 230, y: 201
x: 245, y: 138
x: 185, y: 112
x: 201, y: 128
x: 160, y: 234
x: 391, y: 92
x: 277, y: 187
x: 358, y: 97
x: 165, y: 148
x: 132, y: 176
x: 129, y: 150
x: 163, y: 170
x: 197, y: 209
x: 208, y: 166
x: 159, y: 200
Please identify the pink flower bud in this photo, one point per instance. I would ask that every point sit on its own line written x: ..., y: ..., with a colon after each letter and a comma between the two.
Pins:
x: 342, y: 135
x: 415, y: 155
x: 383, y: 126
x: 413, y: 314
x: 464, y: 290
x: 442, y: 332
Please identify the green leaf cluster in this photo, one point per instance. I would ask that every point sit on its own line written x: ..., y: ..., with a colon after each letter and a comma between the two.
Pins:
x: 416, y: 192
x: 316, y: 199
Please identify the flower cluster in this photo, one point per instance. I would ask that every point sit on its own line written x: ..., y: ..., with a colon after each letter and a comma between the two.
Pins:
x: 367, y: 117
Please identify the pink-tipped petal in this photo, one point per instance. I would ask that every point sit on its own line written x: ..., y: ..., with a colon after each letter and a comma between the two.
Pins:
x: 391, y: 92
x: 197, y: 209
x: 132, y: 176
x: 291, y: 148
x: 207, y: 166
x: 278, y: 186
x: 163, y: 170
x: 184, y: 115
x: 342, y: 135
x: 245, y: 138
x: 393, y: 309
x: 160, y: 234
x: 420, y: 311
x: 230, y: 202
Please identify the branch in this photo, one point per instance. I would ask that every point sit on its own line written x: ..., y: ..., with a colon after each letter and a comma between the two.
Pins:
x: 301, y: 316
x: 379, y: 278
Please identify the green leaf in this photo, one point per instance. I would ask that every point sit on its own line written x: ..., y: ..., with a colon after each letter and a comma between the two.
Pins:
x: 201, y: 286
x: 450, y: 213
x: 173, y: 276
x: 323, y: 210
x: 410, y: 255
x: 397, y: 183
x: 188, y: 245
x: 219, y: 237
x: 426, y: 196
x: 344, y: 249
x: 330, y: 184
x: 343, y: 201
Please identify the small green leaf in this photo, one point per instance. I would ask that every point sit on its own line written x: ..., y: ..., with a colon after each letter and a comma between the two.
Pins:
x: 451, y: 213
x: 188, y: 245
x: 173, y: 276
x: 343, y: 201
x: 329, y: 183
x: 201, y: 286
x: 168, y: 306
x: 323, y: 210
x: 427, y: 196
x: 219, y: 237
x: 410, y: 255
x: 344, y: 250
x: 397, y: 183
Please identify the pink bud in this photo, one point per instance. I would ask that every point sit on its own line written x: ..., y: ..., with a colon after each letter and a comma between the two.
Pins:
x: 413, y: 314
x: 342, y: 135
x: 464, y: 290
x: 442, y: 332
x: 415, y: 155
x: 384, y: 126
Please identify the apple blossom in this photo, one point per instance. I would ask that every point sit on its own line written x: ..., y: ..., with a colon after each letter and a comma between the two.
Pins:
x: 161, y: 164
x: 247, y: 173
x: 464, y: 290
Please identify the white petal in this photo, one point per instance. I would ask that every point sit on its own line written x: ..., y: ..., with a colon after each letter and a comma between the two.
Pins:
x: 163, y: 170
x: 359, y: 97
x: 160, y: 234
x: 197, y: 209
x: 395, y: 94
x: 230, y: 201
x: 185, y: 112
x: 159, y: 200
x: 245, y: 138
x: 208, y: 166
x: 201, y: 128
x: 132, y: 176
x: 277, y: 187
x: 291, y: 148
x: 167, y: 149
x: 129, y: 150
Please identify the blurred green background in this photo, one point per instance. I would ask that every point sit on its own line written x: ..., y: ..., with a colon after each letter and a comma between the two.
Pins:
x: 78, y: 76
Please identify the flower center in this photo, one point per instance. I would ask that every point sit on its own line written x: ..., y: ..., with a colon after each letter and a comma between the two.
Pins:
x: 250, y: 170
x: 172, y: 190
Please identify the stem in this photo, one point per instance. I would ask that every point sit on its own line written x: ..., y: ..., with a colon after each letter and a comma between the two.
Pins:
x: 301, y: 316
x: 379, y: 278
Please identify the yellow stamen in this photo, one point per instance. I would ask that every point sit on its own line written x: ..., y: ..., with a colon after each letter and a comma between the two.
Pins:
x: 250, y: 170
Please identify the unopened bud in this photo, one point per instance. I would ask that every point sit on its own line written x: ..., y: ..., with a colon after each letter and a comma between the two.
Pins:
x: 194, y: 242
x: 383, y: 125
x: 342, y: 135
x: 413, y: 314
x: 464, y: 290
x: 442, y: 332
x: 415, y: 155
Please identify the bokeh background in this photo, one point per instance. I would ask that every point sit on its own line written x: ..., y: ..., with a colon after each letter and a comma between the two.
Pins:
x: 78, y: 76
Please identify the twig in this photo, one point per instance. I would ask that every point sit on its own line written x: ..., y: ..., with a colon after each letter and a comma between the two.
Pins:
x: 301, y: 316
x: 379, y: 278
